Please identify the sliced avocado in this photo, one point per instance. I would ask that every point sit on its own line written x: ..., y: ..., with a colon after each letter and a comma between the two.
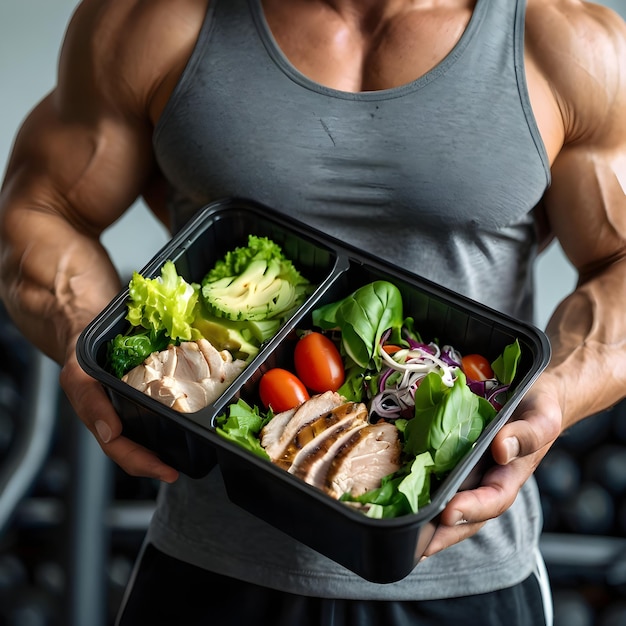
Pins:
x: 258, y: 293
x: 224, y: 335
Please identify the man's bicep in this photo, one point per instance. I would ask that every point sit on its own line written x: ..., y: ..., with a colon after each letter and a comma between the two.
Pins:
x: 580, y: 50
x: 586, y: 206
x: 88, y: 173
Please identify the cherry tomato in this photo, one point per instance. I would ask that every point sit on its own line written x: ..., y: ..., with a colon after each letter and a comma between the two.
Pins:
x: 281, y: 390
x: 476, y: 367
x: 318, y: 363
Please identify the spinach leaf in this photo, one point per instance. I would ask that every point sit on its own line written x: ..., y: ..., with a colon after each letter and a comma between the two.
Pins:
x: 447, y: 421
x: 416, y: 485
x: 505, y: 366
x: 363, y: 317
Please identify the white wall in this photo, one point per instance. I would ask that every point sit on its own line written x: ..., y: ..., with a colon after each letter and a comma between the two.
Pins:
x: 30, y: 34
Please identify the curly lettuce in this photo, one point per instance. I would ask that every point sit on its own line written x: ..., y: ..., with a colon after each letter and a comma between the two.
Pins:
x: 165, y: 303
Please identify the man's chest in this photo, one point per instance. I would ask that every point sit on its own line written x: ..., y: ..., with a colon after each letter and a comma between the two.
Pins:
x: 366, y: 50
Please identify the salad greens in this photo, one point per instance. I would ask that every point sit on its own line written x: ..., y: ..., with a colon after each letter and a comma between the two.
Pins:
x: 505, y: 366
x: 447, y: 421
x: 362, y: 318
x: 404, y: 492
x: 128, y: 351
x: 242, y: 301
x: 160, y: 311
x: 243, y: 425
x: 167, y: 303
x: 447, y: 413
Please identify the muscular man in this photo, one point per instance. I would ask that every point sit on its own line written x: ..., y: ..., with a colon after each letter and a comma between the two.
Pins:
x: 452, y: 137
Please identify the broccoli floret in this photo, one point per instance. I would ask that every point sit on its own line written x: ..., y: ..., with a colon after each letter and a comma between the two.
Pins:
x: 127, y: 351
x: 254, y: 283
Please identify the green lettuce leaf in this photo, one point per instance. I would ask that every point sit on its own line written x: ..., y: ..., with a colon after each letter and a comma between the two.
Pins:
x: 243, y: 425
x: 385, y: 501
x: 165, y: 303
x: 416, y: 485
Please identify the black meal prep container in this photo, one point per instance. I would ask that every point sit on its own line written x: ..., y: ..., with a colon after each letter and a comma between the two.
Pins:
x: 381, y: 551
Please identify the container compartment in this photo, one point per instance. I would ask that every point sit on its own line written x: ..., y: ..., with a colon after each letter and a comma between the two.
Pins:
x: 178, y: 438
x: 379, y: 550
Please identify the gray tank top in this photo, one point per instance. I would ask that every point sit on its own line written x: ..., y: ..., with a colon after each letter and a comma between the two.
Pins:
x: 439, y: 176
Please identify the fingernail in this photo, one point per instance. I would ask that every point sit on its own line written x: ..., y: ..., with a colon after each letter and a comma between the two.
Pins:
x: 512, y: 447
x: 103, y: 430
x: 457, y: 518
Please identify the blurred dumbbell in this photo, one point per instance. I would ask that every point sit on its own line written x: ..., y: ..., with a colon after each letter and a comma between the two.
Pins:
x: 606, y: 465
x: 621, y: 516
x: 613, y: 615
x: 590, y: 511
x: 551, y: 516
x: 588, y: 433
x: 571, y: 608
x: 50, y: 576
x: 13, y: 574
x: 32, y: 607
x: 54, y: 477
x: 559, y: 475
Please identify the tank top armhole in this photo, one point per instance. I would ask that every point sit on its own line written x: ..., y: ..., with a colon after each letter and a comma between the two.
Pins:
x: 189, y: 70
x: 522, y: 86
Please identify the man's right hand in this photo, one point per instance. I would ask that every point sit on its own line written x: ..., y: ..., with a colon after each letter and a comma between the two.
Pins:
x: 93, y: 407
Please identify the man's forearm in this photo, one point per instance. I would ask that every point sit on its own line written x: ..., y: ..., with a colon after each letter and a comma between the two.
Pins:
x: 588, y: 336
x: 53, y: 279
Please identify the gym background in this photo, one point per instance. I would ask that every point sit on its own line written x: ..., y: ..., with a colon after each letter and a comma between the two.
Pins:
x: 71, y: 523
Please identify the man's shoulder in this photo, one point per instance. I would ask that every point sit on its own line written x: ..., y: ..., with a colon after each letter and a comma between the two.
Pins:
x: 580, y: 49
x: 575, y: 24
x: 134, y: 44
x: 142, y: 13
x: 585, y: 32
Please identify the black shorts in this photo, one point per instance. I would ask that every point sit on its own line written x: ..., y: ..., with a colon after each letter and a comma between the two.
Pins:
x: 168, y: 592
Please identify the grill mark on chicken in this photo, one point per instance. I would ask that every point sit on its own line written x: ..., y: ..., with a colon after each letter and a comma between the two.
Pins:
x: 311, y: 465
x: 369, y: 454
x: 275, y: 443
x: 333, y: 448
x: 270, y: 434
x: 314, y: 429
